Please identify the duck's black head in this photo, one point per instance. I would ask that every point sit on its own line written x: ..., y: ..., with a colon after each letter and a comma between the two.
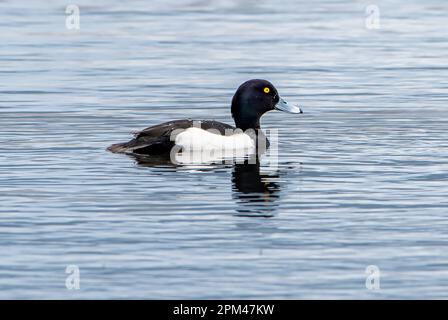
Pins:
x: 254, y: 98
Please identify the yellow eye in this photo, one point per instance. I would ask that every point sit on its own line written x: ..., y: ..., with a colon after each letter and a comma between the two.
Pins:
x: 266, y: 90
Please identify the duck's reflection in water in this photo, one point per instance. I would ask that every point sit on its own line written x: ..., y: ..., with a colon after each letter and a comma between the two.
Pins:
x: 254, y: 192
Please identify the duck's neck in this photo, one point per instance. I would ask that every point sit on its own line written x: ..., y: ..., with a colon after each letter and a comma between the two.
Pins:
x: 245, y: 118
x: 247, y: 123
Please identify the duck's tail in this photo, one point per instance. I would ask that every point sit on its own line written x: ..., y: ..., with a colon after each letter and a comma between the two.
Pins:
x: 119, y: 147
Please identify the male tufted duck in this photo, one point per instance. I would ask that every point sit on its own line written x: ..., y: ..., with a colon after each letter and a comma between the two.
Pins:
x: 252, y: 99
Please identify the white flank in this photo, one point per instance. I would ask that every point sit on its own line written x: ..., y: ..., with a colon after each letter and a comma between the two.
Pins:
x: 192, y: 157
x: 199, y: 139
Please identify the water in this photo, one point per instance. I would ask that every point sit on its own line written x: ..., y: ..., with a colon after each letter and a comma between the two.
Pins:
x: 362, y: 175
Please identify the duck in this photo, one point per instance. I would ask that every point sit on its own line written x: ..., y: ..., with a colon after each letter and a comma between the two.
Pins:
x: 250, y: 102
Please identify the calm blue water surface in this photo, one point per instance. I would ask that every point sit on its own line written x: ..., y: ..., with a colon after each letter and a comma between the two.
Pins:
x: 362, y: 176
